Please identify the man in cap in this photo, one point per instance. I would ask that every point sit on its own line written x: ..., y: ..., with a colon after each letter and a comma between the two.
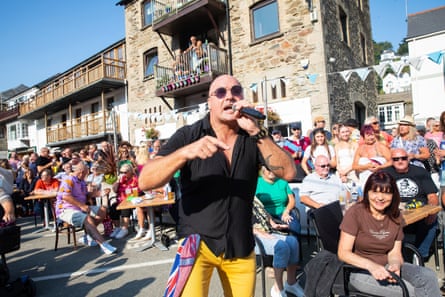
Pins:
x: 320, y: 122
x: 295, y: 145
x: 277, y: 137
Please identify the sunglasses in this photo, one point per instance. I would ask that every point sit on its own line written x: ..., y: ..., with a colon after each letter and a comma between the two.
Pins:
x: 324, y: 166
x: 375, y: 123
x: 236, y: 91
x: 123, y: 172
x: 404, y: 158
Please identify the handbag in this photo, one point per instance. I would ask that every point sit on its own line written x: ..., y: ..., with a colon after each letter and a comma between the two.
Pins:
x: 9, y: 238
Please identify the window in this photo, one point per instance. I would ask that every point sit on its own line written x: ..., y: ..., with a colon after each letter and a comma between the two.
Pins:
x: 274, y: 91
x: 12, y: 132
x: 343, y: 24
x: 95, y: 107
x: 391, y: 113
x: 363, y: 45
x: 265, y: 19
x: 24, y: 132
x: 148, y: 12
x: 150, y: 59
x: 283, y: 88
x: 2, y: 131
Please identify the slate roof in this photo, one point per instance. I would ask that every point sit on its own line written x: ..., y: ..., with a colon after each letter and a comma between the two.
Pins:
x: 14, y: 91
x: 426, y: 22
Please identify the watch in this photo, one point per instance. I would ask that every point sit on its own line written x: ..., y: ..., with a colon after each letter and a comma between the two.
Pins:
x: 261, y: 134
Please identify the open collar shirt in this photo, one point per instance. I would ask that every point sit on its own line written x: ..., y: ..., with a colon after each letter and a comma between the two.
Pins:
x: 216, y: 199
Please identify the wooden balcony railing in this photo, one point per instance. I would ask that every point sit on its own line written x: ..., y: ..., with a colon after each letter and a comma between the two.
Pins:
x: 9, y: 112
x: 79, y: 78
x: 188, y: 68
x: 87, y: 125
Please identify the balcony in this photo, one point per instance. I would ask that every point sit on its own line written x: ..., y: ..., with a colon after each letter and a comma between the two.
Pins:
x: 7, y: 113
x: 190, y: 74
x: 82, y: 83
x: 184, y: 16
x: 85, y: 127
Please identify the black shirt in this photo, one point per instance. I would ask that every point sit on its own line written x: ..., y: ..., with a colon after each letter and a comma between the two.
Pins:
x: 42, y: 161
x: 217, y: 198
x: 415, y: 184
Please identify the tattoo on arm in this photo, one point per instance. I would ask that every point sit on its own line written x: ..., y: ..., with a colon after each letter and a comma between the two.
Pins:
x: 270, y: 166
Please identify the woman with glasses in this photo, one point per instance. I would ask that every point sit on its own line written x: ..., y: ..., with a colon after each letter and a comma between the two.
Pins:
x: 435, y: 133
x: 370, y: 156
x: 408, y: 140
x: 371, y: 239
x: 125, y: 186
x: 319, y: 146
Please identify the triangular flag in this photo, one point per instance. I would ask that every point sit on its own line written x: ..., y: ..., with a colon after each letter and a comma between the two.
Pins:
x: 380, y: 69
x: 253, y: 87
x: 346, y: 74
x: 300, y: 80
x: 284, y: 80
x: 273, y: 83
x: 362, y: 72
x: 416, y: 62
x: 397, y: 66
x: 312, y: 77
x: 436, y: 57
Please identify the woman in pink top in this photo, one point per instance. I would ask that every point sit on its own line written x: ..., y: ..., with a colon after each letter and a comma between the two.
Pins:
x: 123, y: 187
x: 435, y: 134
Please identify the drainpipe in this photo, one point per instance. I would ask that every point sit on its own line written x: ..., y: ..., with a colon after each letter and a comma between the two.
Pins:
x: 229, y: 37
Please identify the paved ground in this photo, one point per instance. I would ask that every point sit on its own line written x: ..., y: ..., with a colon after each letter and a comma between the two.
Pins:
x: 88, y: 272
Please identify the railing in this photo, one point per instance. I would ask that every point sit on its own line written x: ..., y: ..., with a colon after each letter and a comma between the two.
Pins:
x: 87, y: 125
x: 163, y: 9
x: 10, y: 111
x: 188, y: 68
x: 79, y: 78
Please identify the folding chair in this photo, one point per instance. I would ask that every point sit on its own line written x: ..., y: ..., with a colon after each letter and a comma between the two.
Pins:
x: 327, y: 220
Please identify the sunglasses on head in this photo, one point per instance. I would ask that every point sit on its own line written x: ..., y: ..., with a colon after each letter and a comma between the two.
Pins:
x: 221, y: 93
x: 404, y: 158
x: 324, y: 166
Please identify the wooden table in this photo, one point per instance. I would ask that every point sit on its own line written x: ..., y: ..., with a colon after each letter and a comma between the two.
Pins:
x: 158, y: 200
x: 46, y: 197
x: 414, y: 215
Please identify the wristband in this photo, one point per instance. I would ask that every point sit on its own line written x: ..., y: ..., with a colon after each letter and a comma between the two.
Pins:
x: 261, y: 134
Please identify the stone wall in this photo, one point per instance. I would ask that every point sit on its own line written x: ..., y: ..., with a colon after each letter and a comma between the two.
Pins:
x: 277, y: 57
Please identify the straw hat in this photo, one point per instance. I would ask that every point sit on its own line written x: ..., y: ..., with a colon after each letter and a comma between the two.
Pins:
x: 407, y: 120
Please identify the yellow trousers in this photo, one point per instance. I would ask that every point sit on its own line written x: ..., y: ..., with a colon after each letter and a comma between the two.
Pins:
x: 237, y: 275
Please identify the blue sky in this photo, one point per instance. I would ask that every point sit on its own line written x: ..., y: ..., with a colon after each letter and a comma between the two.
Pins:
x: 388, y: 17
x: 40, y: 38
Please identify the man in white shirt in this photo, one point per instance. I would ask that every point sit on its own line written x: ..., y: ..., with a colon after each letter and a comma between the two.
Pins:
x: 320, y: 187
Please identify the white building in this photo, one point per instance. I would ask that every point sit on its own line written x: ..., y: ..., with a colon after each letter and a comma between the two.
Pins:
x: 426, y: 45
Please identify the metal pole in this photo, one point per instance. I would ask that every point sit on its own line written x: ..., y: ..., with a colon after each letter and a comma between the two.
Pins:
x: 266, y: 121
x: 229, y: 38
x: 113, y: 119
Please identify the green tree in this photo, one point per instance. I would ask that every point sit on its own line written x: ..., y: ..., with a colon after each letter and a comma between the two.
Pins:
x: 379, y: 47
x: 403, y: 48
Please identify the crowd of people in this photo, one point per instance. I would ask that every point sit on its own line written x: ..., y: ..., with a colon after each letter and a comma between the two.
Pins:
x: 90, y: 183
x: 234, y: 177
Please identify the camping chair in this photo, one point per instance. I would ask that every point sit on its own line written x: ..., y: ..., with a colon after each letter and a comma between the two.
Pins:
x: 326, y: 221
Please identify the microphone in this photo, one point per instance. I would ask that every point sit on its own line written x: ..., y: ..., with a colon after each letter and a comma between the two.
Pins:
x: 250, y: 112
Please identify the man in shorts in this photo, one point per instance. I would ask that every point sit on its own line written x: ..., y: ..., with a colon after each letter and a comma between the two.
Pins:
x: 72, y: 207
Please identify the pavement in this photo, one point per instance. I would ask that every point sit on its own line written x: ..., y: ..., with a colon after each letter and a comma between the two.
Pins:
x: 86, y: 271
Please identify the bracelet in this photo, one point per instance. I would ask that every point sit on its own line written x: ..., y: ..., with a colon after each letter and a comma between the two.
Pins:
x: 261, y: 134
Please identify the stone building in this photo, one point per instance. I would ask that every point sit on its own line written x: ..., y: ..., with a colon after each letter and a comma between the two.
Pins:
x: 294, y: 59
